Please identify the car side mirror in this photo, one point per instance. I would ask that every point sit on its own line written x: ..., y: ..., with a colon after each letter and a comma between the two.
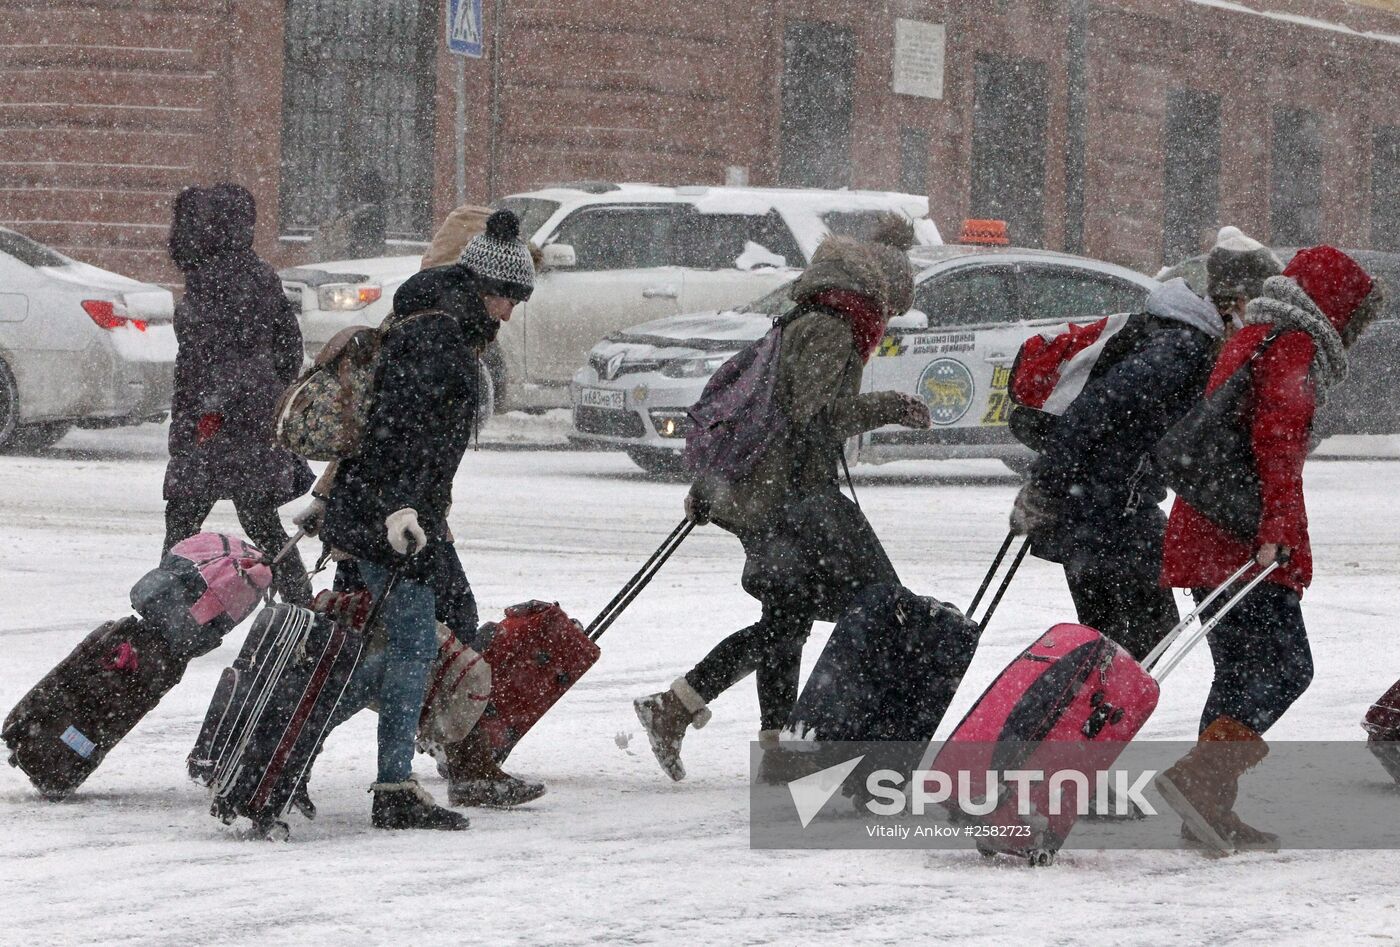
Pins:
x: 558, y: 256
x: 915, y: 320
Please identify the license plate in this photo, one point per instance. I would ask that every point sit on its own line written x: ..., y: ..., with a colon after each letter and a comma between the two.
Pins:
x: 602, y: 398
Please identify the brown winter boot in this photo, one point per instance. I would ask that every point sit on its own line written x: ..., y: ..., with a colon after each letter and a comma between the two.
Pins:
x: 665, y: 717
x: 1202, y: 787
x: 474, y: 779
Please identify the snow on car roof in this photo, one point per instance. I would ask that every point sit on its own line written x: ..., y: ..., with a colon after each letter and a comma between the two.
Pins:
x: 802, y: 208
x: 928, y: 259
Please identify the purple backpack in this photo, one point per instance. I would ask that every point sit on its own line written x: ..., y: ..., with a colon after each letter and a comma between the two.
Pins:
x: 737, y: 416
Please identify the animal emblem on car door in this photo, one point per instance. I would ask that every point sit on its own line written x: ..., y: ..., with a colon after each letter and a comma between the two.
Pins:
x: 946, y: 386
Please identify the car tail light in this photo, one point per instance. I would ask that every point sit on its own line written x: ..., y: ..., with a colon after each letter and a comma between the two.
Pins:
x: 106, y: 315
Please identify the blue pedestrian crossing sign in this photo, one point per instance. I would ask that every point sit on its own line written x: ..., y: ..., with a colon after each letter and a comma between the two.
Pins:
x: 464, y: 27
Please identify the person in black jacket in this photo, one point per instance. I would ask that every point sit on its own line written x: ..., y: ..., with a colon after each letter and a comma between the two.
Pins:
x: 388, y: 505
x: 239, y: 347
x: 1092, y: 501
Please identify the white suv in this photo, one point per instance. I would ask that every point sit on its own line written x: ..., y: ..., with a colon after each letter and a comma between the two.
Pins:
x: 616, y: 255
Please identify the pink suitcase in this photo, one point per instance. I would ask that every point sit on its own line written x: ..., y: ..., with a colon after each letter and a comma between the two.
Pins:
x: 1068, y: 704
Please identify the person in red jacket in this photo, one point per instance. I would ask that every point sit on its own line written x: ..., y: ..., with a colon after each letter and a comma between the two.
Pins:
x: 1322, y: 302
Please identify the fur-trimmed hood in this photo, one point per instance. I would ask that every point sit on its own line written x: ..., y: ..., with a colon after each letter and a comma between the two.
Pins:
x: 1284, y: 305
x: 875, y: 270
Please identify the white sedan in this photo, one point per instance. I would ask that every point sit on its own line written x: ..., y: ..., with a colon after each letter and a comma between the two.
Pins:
x: 79, y: 346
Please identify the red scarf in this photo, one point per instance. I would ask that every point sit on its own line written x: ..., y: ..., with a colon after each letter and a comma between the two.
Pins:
x: 867, y: 321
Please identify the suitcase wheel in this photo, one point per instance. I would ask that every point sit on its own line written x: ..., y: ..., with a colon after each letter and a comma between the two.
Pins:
x: 564, y: 678
x: 277, y: 832
x: 985, y: 852
x: 542, y: 659
x: 1040, y: 858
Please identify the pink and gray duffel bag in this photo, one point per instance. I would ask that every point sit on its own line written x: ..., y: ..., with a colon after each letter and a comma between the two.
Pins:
x: 201, y: 590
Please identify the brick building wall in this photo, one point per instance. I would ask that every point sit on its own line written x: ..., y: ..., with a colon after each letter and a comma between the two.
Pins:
x: 107, y: 107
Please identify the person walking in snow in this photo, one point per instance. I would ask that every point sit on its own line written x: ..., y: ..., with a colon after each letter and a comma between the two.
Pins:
x: 1092, y: 500
x: 388, y: 505
x: 809, y: 549
x: 1236, y: 269
x: 239, y: 347
x: 1321, y: 304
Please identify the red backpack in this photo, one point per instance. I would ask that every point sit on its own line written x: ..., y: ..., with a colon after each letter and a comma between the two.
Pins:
x: 1053, y: 366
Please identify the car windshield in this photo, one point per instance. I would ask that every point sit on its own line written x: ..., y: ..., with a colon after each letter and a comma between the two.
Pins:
x: 532, y: 211
x: 29, y: 252
x: 774, y: 303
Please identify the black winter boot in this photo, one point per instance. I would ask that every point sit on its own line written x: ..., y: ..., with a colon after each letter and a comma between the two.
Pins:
x: 407, y: 805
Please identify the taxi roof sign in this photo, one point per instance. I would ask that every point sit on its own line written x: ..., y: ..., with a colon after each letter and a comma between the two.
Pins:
x: 984, y: 232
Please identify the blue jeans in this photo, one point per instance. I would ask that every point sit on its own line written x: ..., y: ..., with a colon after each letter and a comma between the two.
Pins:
x: 398, y: 675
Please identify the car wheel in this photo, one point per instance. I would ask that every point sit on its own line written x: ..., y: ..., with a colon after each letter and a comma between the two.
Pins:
x: 495, y: 365
x: 1020, y: 465
x: 30, y: 437
x: 9, y: 406
x: 486, y: 395
x: 658, y: 463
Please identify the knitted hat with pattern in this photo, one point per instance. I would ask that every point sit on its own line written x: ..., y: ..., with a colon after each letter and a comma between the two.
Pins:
x: 500, y: 260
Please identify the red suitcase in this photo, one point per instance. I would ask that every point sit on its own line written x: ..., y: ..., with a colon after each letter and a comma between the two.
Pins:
x: 537, y: 653
x: 1066, y: 705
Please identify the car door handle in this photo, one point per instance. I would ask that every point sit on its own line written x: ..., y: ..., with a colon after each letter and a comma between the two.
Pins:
x: 661, y: 292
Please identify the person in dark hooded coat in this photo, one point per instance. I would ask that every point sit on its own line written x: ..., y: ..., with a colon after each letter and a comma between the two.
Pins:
x: 388, y: 505
x: 1091, y: 503
x: 239, y: 348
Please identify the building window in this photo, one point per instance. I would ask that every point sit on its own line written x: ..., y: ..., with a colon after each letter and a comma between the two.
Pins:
x: 818, y: 104
x: 1191, y: 182
x: 913, y: 160
x: 1385, y: 189
x: 357, y: 96
x: 1295, y: 203
x: 1008, y: 146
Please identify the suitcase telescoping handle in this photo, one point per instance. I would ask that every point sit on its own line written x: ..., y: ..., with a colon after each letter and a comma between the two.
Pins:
x: 1005, y: 582
x: 634, y: 585
x: 290, y: 545
x: 379, y: 601
x: 1153, y: 660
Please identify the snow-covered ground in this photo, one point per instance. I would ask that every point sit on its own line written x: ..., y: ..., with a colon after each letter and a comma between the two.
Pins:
x: 615, y: 853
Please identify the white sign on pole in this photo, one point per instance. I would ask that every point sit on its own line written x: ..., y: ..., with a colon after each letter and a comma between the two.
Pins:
x: 464, y: 27
x: 918, y: 58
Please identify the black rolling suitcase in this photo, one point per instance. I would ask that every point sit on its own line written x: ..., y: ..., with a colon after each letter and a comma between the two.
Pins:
x: 892, y: 664
x: 256, y: 748
x: 61, y: 730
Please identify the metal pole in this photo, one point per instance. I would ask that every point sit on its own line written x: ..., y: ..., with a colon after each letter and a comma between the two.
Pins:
x: 459, y: 86
x: 493, y: 160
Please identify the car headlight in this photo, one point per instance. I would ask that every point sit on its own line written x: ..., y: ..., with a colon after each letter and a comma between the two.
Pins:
x: 693, y: 367
x: 347, y: 297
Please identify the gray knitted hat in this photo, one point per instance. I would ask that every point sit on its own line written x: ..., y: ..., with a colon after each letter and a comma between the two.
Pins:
x: 500, y: 260
x: 1238, y: 265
